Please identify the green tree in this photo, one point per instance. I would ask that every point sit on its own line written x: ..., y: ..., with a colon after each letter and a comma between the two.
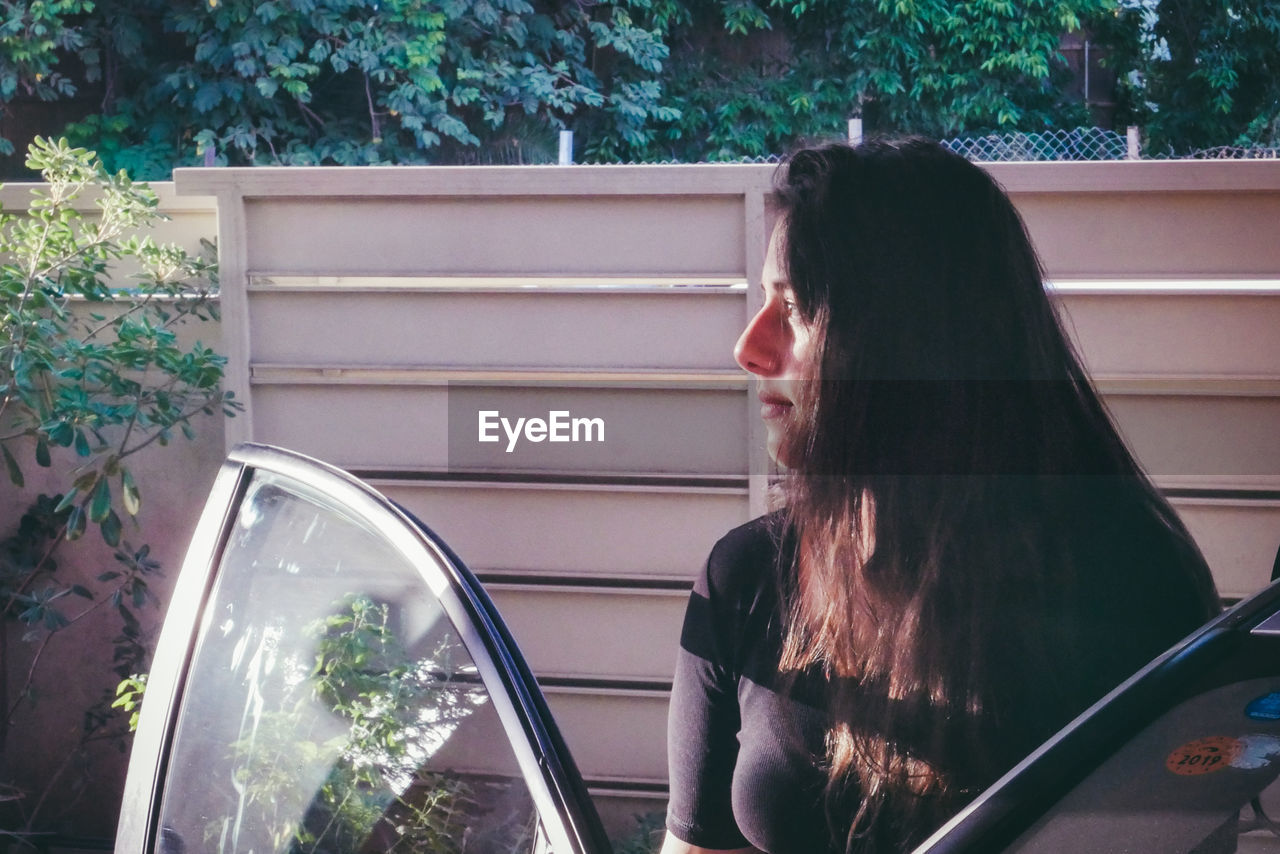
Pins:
x: 406, y: 81
x: 411, y: 81
x: 1200, y: 73
x: 35, y: 37
x: 349, y: 81
x: 751, y: 77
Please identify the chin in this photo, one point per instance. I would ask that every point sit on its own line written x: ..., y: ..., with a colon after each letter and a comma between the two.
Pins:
x: 774, y: 446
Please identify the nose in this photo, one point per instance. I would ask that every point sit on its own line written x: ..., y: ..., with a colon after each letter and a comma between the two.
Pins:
x: 757, y: 347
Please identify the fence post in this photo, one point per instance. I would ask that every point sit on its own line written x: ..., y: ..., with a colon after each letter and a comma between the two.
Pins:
x: 566, y: 148
x: 855, y: 131
x: 1086, y: 75
x: 1134, y: 143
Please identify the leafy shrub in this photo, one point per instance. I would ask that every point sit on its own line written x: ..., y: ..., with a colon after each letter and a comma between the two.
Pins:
x: 91, y: 373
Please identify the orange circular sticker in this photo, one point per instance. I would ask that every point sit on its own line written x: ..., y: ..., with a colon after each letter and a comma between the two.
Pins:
x: 1204, y: 755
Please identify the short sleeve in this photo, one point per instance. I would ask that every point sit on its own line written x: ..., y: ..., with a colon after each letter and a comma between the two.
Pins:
x: 704, y: 720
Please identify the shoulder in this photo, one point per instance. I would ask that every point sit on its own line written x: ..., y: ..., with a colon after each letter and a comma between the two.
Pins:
x: 735, y: 603
x: 745, y: 561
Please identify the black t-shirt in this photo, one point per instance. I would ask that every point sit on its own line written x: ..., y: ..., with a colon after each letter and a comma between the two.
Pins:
x: 745, y: 745
x: 743, y: 748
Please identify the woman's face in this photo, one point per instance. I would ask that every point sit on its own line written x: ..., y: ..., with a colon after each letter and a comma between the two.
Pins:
x: 778, y: 347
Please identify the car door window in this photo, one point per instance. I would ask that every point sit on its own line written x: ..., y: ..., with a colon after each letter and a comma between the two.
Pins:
x: 1184, y: 758
x: 336, y: 701
x: 1198, y: 780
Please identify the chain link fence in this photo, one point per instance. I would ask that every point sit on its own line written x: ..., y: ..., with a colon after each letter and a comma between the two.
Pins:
x: 1088, y: 144
x: 1078, y: 144
x: 671, y: 161
x: 1233, y: 152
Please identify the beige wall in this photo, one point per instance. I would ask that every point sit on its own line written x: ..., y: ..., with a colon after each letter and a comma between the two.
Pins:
x: 365, y: 306
x: 360, y: 303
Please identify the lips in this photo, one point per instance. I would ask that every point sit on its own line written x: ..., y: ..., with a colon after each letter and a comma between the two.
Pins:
x: 774, y: 406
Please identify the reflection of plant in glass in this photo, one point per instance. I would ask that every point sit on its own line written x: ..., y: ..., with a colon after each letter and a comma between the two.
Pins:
x: 645, y: 837
x: 390, y: 711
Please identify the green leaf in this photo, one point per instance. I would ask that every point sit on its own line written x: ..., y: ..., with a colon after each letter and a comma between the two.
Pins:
x: 42, y: 452
x: 59, y: 432
x: 54, y: 620
x: 129, y: 495
x: 81, y: 443
x: 207, y: 97
x: 100, y: 504
x: 15, y: 472
x: 76, y: 523
x: 67, y: 500
x: 110, y: 528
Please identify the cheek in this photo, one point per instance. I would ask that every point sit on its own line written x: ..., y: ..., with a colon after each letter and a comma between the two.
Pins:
x: 805, y: 367
x: 805, y: 348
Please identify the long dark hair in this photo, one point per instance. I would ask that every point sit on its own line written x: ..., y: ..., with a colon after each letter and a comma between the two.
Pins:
x: 973, y: 533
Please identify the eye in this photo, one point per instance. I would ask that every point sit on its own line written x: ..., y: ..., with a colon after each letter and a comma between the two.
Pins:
x: 789, y: 308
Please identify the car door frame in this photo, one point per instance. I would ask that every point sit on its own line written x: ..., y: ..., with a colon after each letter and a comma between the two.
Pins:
x: 567, y: 815
x: 1014, y: 803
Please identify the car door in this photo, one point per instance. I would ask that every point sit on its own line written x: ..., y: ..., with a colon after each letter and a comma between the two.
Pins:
x: 331, y: 678
x: 1182, y: 759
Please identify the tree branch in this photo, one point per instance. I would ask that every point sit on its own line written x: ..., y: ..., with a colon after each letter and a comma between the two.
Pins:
x: 375, y: 127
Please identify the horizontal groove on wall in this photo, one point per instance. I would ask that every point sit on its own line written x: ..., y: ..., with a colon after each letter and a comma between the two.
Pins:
x: 409, y: 480
x: 496, y: 284
x: 1166, y: 287
x: 1217, y: 486
x: 626, y: 788
x: 716, y: 485
x: 570, y: 585
x: 586, y: 582
x: 708, y: 284
x: 710, y: 481
x: 288, y: 374
x: 1225, y: 494
x: 610, y: 686
x: 283, y: 374
x: 1187, y: 385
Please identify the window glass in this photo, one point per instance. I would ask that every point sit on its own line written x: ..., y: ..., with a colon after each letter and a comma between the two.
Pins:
x: 1201, y: 779
x: 331, y: 705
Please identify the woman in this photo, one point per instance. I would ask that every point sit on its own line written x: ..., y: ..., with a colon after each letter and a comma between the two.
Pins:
x: 968, y: 555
